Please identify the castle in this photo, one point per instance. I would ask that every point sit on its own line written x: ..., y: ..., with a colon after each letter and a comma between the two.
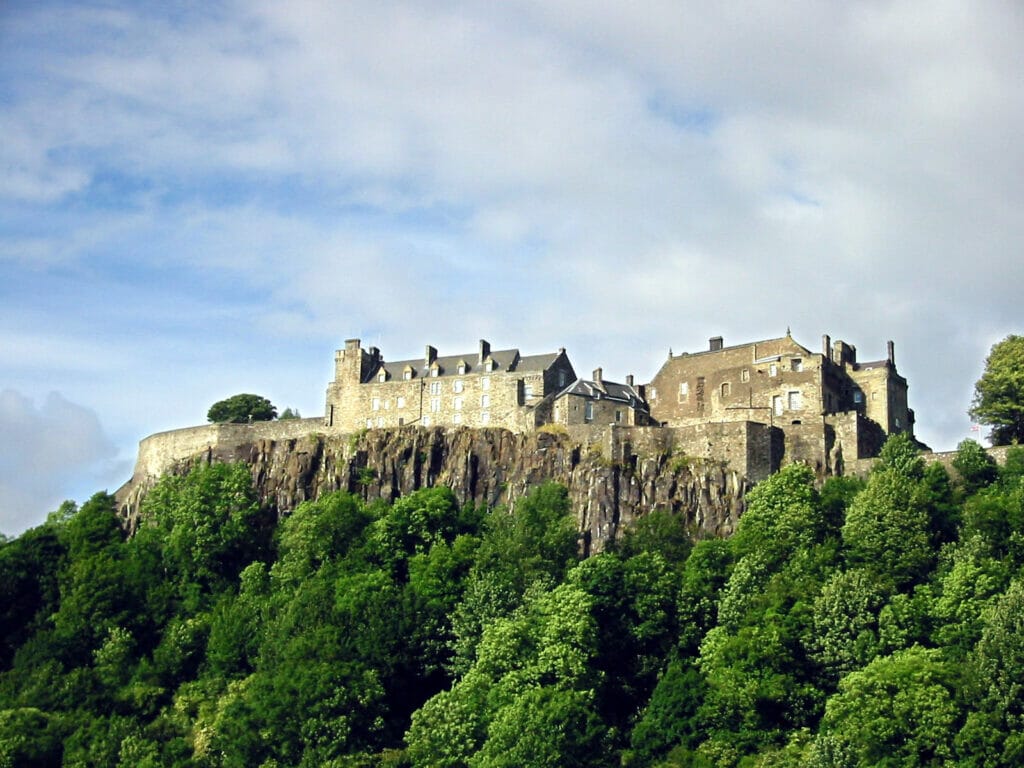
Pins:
x: 761, y: 403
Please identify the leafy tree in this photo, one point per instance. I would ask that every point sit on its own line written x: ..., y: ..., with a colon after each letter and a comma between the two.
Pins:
x: 886, y: 530
x: 975, y: 467
x: 290, y: 413
x: 242, y: 408
x: 993, y: 734
x: 899, y: 710
x: 999, y: 393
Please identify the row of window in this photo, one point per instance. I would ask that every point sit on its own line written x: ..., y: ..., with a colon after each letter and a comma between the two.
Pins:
x: 426, y: 421
x: 377, y: 404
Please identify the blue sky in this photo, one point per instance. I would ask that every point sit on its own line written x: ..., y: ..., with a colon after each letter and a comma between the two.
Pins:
x: 203, y: 199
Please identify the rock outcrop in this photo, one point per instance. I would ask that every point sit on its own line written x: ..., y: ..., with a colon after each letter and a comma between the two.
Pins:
x: 610, y: 484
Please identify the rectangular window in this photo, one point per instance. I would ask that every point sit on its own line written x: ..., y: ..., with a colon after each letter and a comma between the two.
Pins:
x: 369, y: 423
x: 654, y: 393
x: 773, y: 370
x: 435, y: 405
x: 726, y: 389
x: 485, y: 418
x: 858, y: 397
x: 380, y: 421
x: 457, y: 418
x: 588, y: 411
x: 684, y: 391
x: 485, y: 401
x: 745, y: 375
x: 618, y: 416
x: 457, y: 403
x: 375, y: 404
x: 528, y: 391
x: 387, y: 404
x: 563, y: 379
x: 796, y: 364
x: 777, y: 405
x: 457, y: 385
x: 426, y: 421
x: 485, y: 383
x: 435, y: 387
x: 400, y: 403
x: 796, y: 402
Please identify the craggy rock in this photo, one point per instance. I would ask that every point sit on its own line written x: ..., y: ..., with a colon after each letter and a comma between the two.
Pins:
x: 482, y: 466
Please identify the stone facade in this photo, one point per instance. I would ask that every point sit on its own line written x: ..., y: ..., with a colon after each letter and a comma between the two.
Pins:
x: 829, y: 407
x: 485, y: 388
x: 599, y: 401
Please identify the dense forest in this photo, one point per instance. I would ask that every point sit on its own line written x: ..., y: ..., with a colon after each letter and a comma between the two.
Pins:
x: 875, y: 622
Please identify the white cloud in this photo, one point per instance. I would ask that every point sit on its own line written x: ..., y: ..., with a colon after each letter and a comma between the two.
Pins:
x: 49, y: 453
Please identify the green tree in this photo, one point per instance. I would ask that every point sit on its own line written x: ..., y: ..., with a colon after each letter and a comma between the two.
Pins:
x: 886, y: 530
x: 290, y: 413
x: 974, y: 466
x: 999, y: 393
x: 242, y: 408
x: 898, y: 711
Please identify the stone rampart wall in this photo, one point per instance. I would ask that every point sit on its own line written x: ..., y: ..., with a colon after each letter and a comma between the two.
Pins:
x: 160, y: 451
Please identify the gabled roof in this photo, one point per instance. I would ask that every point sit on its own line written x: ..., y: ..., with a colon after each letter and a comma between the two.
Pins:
x: 605, y: 390
x: 505, y: 360
x: 779, y: 341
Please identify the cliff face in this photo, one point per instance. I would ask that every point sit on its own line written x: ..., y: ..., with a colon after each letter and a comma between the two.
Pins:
x: 610, y: 485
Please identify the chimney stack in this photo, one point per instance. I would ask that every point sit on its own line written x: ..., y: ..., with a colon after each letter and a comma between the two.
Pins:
x: 429, y: 356
x: 597, y: 376
x: 892, y: 353
x: 629, y: 380
x: 826, y: 346
x: 485, y: 351
x: 715, y: 343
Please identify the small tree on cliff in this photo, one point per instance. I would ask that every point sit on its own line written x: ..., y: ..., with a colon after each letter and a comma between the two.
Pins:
x: 999, y: 393
x: 243, y: 408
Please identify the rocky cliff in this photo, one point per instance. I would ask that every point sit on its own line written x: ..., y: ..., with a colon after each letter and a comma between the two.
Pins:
x: 611, y: 483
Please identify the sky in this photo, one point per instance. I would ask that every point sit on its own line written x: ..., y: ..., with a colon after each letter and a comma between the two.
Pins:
x: 201, y: 199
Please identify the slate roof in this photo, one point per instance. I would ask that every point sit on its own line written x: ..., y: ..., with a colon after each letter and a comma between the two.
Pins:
x: 606, y: 390
x: 505, y: 360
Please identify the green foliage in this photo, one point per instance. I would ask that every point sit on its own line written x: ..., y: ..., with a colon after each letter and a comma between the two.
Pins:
x: 899, y: 710
x: 289, y: 413
x: 886, y: 530
x: 659, y: 531
x: 241, y: 409
x: 901, y: 455
x: 974, y: 466
x: 999, y: 393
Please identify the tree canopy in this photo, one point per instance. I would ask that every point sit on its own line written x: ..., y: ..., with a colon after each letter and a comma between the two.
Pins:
x: 242, y: 408
x: 999, y: 393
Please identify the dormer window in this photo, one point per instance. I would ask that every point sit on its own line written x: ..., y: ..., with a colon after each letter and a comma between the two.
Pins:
x: 434, y: 371
x: 462, y: 369
x: 407, y: 374
x: 382, y: 376
x: 489, y: 366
